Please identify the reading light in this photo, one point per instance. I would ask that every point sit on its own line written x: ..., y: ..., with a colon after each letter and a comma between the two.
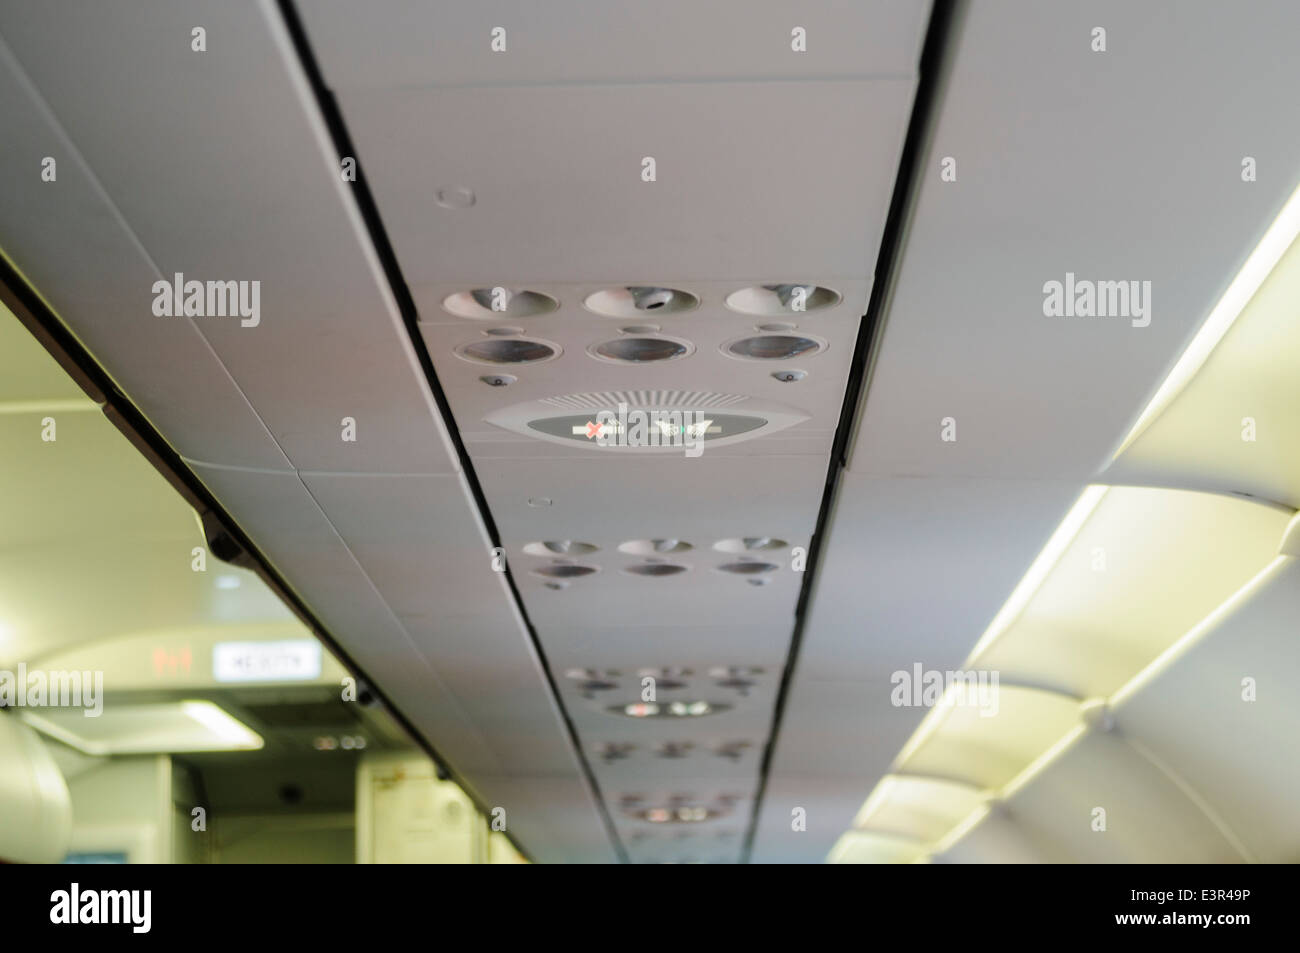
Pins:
x: 640, y: 350
x: 508, y: 351
x: 773, y: 347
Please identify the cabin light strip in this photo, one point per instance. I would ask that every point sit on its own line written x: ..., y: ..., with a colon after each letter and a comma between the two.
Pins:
x: 1140, y: 680
x: 1038, y: 571
x: 1045, y: 562
x: 1279, y: 237
x: 1033, y: 579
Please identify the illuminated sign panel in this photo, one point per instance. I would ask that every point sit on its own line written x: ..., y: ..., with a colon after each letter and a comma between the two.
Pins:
x: 289, y: 661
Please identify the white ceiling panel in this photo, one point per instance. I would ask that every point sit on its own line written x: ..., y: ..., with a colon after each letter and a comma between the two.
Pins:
x: 802, y: 817
x: 721, y: 156
x: 175, y: 378
x: 483, y: 729
x: 916, y: 568
x: 655, y: 498
x: 1195, y: 719
x: 1148, y: 819
x: 928, y: 537
x: 1033, y: 118
x: 629, y: 646
x: 329, y: 342
x: 542, y: 147
x: 448, y: 44
x: 413, y: 537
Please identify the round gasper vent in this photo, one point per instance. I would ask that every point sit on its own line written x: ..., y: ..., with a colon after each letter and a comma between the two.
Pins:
x: 750, y: 544
x: 564, y: 571
x: 653, y: 547
x: 508, y: 350
x: 641, y: 350
x: 747, y: 567
x: 635, y: 301
x: 773, y: 347
x: 782, y: 299
x: 559, y: 547
x: 495, y: 303
x: 656, y: 569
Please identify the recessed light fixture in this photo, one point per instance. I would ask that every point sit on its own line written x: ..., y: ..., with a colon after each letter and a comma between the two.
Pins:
x: 747, y: 567
x: 641, y: 350
x: 228, y: 582
x: 655, y: 569
x: 773, y: 347
x: 511, y: 350
x: 564, y: 571
x: 150, y: 728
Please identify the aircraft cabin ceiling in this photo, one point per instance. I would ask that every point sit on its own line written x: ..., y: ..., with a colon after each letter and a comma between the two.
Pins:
x: 546, y: 389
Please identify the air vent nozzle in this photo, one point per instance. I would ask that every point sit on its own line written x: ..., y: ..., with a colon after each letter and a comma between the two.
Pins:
x: 496, y: 302
x: 635, y: 300
x: 788, y: 298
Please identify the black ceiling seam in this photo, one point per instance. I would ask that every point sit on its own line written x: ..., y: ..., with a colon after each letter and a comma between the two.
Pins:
x: 344, y: 146
x: 935, y: 63
x: 73, y: 357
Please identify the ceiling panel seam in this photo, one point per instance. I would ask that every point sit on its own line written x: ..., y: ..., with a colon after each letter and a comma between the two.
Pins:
x: 1194, y: 796
x: 935, y: 63
x: 38, y: 317
x: 302, y: 84
x: 52, y: 120
x: 456, y: 703
x: 342, y: 144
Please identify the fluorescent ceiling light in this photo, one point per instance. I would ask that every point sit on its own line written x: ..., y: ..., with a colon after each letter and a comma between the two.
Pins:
x: 162, y: 728
x: 869, y: 847
x: 1056, y: 546
x: 1279, y: 237
x: 923, y: 808
x: 1087, y: 633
